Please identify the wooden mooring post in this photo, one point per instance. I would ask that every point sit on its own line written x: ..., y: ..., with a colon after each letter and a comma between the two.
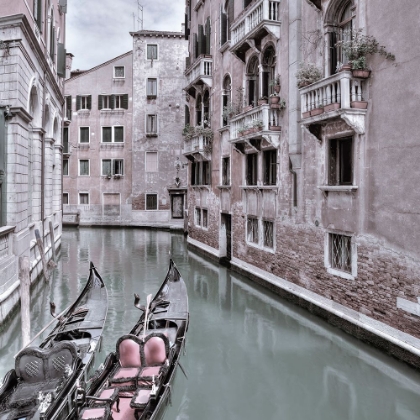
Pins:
x: 25, y: 299
x: 41, y: 251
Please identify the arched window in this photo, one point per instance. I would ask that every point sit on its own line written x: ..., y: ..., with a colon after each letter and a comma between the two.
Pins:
x: 269, y: 68
x: 198, y: 110
x: 253, y: 81
x: 226, y: 99
x: 342, y: 26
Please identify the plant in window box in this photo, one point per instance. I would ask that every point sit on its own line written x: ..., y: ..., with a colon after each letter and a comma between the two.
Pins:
x: 307, y: 74
x: 204, y: 131
x: 319, y: 109
x: 275, y: 83
x: 188, y: 132
x: 257, y: 125
x: 263, y: 100
x: 357, y: 46
x: 274, y: 98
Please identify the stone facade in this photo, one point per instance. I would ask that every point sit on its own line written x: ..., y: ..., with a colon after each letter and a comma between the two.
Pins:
x: 150, y: 186
x: 318, y: 200
x: 32, y: 67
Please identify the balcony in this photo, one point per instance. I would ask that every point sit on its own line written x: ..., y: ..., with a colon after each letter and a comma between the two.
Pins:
x: 255, y: 126
x: 338, y: 96
x: 199, y: 73
x: 258, y: 20
x: 197, y: 148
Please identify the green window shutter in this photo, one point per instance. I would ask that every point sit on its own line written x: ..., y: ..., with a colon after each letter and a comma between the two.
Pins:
x: 78, y: 102
x: 100, y: 102
x: 89, y: 101
x: 201, y: 40
x: 124, y: 101
x: 68, y: 107
x: 223, y: 28
x: 112, y: 101
x: 61, y: 60
x: 195, y: 46
x: 186, y: 28
x: 230, y: 16
x: 207, y: 37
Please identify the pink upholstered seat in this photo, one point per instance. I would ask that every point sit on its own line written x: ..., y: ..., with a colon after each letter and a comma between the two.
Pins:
x: 130, y: 362
x: 155, y: 351
x: 95, y: 413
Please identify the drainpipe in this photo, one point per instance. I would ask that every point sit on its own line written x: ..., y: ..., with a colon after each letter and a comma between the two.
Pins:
x: 294, y: 181
x: 3, y: 165
x: 43, y: 154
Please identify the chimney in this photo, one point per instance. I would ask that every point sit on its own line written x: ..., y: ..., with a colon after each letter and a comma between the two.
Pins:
x: 69, y: 62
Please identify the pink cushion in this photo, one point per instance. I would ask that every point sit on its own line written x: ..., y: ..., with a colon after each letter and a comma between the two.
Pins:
x: 142, y: 396
x: 150, y: 371
x: 94, y: 413
x: 129, y: 352
x: 155, y: 351
x: 107, y: 393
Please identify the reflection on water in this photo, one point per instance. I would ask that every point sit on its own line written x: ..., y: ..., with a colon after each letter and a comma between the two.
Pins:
x: 249, y: 354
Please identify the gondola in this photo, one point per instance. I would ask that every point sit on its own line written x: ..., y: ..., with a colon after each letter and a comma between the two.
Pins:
x: 135, y: 380
x: 44, y: 381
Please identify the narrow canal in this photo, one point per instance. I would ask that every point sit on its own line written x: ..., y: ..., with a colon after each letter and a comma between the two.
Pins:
x: 249, y: 354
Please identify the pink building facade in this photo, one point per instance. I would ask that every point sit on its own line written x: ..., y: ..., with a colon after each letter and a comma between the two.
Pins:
x: 301, y: 187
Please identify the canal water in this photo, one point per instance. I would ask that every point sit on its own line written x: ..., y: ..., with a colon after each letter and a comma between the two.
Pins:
x: 249, y: 355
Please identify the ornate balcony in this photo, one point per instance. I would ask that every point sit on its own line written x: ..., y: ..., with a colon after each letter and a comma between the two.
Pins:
x: 257, y: 125
x: 199, y: 73
x: 197, y: 148
x: 338, y: 96
x: 258, y: 20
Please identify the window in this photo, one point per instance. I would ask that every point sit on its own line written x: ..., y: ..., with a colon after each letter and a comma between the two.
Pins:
x: 200, y: 173
x: 151, y: 126
x: 340, y: 252
x: 198, y: 216
x: 341, y: 161
x: 198, y: 110
x: 112, y: 167
x: 83, y: 198
x: 67, y: 109
x: 84, y: 134
x: 38, y: 13
x: 84, y: 167
x: 119, y: 101
x: 268, y: 73
x: 113, y: 134
x: 251, y: 169
x: 270, y: 167
x: 66, y: 140
x: 65, y: 167
x: 252, y: 230
x: 205, y: 173
x: 226, y: 171
x: 83, y: 102
x: 204, y: 218
x: 152, y: 51
x: 119, y: 72
x: 151, y: 88
x: 65, y: 198
x: 253, y: 83
x: 151, y: 162
x: 151, y: 202
x: 268, y: 231
x: 226, y: 101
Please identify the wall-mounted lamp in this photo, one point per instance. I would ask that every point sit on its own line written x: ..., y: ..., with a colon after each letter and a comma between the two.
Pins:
x: 8, y: 113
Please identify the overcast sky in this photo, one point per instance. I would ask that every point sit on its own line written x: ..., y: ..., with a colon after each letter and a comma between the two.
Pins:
x: 98, y: 30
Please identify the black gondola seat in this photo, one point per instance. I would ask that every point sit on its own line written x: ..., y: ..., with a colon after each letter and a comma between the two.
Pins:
x: 42, y: 370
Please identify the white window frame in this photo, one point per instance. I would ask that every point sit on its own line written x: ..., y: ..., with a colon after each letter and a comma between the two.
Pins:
x: 79, y: 166
x: 68, y: 198
x: 118, y: 99
x: 68, y: 167
x: 207, y: 218
x: 152, y: 133
x: 108, y: 96
x: 84, y: 126
x: 258, y: 235
x: 153, y: 95
x: 112, y: 167
x: 197, y: 216
x: 119, y: 77
x: 157, y: 52
x: 327, y: 255
x: 145, y: 161
x: 78, y: 198
x: 83, y: 101
x: 112, y: 127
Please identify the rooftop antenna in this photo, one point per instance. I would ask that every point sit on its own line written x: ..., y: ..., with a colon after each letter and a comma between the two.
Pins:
x: 139, y: 12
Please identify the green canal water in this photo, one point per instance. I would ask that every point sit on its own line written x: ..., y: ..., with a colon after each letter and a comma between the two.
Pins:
x: 249, y: 355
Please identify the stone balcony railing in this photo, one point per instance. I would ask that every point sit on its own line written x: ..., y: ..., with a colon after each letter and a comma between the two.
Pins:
x: 200, y: 72
x: 270, y: 129
x: 198, y: 148
x: 338, y: 96
x: 256, y: 21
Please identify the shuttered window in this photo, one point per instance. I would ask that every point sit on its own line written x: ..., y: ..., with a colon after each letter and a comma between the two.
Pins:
x: 66, y: 140
x: 151, y: 127
x: 151, y: 88
x: 84, y: 167
x: 106, y: 134
x: 223, y: 26
x: 151, y: 161
x: 207, y: 34
x: 152, y: 51
x: 151, y: 202
x: 38, y: 13
x: 119, y: 72
x: 83, y: 102
x: 119, y: 101
x: 84, y: 134
x: 113, y: 134
x: 68, y: 110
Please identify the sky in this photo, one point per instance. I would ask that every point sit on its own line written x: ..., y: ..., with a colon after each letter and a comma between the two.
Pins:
x: 99, y: 30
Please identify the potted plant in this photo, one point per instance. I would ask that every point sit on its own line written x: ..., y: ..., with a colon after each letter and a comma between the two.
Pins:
x: 257, y: 125
x: 188, y: 132
x: 319, y: 109
x: 248, y: 107
x: 262, y: 100
x: 274, y: 98
x: 357, y: 46
x: 307, y: 74
x: 275, y: 83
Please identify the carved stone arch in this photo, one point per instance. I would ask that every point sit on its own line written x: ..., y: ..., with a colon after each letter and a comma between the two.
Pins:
x: 56, y: 129
x: 253, y: 88
x: 34, y: 102
x: 199, y: 109
x: 335, y: 11
x: 252, y: 64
